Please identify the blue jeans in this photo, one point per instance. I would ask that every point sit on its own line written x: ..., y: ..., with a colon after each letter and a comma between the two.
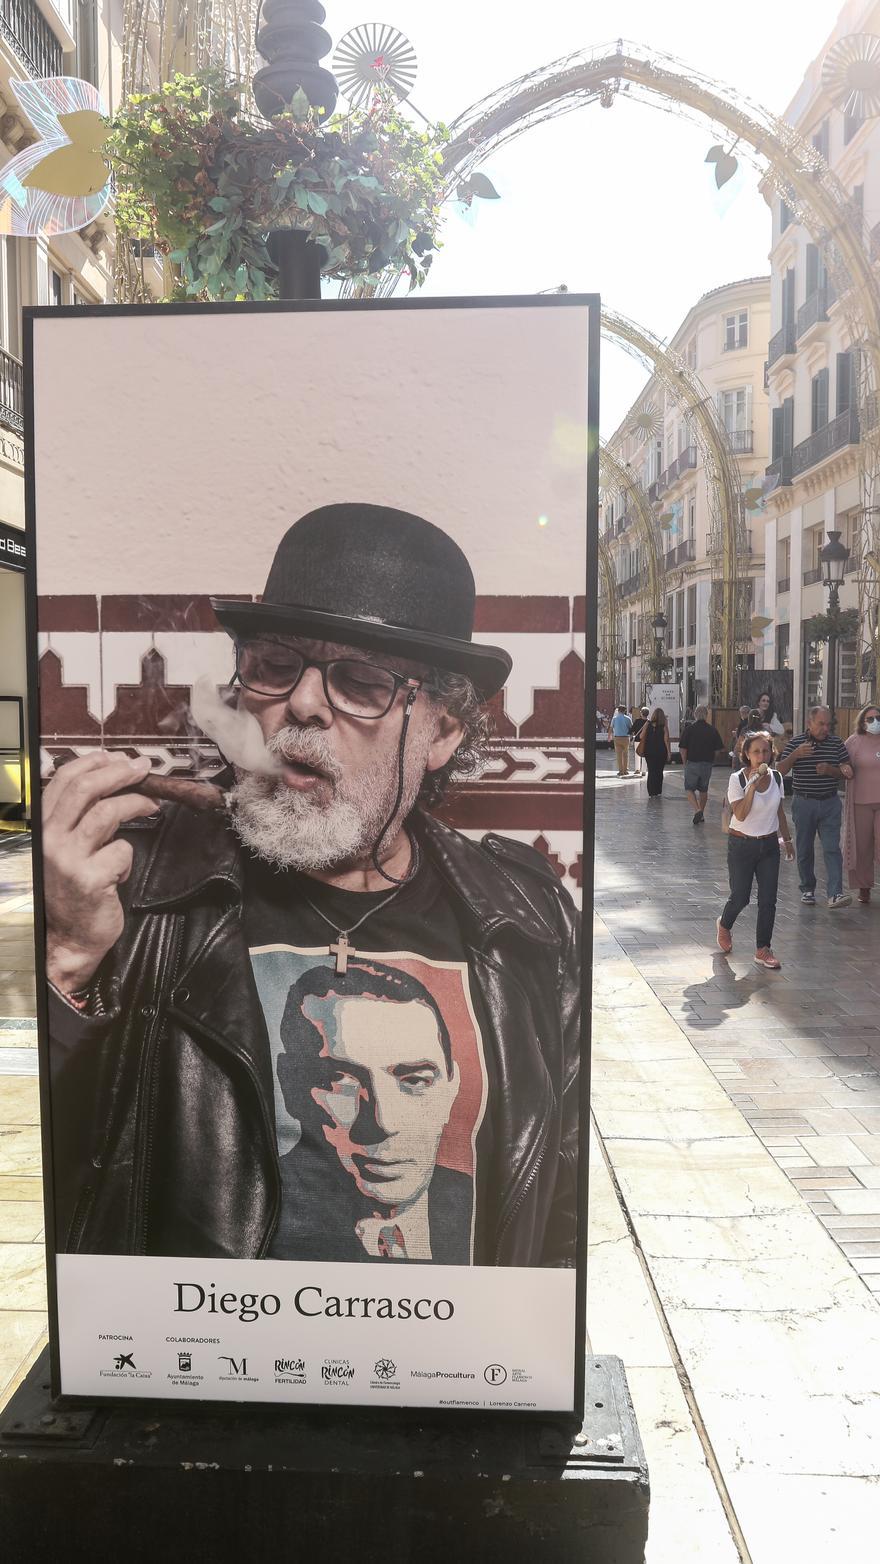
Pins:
x: 823, y: 815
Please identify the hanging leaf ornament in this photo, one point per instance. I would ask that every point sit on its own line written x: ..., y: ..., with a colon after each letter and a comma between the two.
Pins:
x: 726, y: 164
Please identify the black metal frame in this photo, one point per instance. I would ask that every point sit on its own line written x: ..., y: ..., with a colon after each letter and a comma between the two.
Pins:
x: 7, y: 750
x: 590, y: 303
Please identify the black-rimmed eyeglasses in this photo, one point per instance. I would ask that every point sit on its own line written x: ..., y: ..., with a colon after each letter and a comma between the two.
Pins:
x: 352, y: 687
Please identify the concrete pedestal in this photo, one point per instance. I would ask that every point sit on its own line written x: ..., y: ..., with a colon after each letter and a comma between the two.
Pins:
x: 151, y: 1481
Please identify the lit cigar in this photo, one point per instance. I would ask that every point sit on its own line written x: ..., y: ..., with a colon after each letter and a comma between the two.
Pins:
x: 177, y: 790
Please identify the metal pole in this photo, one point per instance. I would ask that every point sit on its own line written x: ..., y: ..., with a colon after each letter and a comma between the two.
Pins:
x: 292, y: 41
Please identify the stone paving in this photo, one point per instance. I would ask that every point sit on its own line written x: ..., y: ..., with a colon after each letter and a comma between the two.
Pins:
x: 797, y: 1051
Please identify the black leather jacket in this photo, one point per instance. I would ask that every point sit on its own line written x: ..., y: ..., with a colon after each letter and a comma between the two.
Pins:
x: 162, y: 1107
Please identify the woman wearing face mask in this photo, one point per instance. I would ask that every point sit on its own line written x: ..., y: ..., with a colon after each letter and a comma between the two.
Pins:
x: 757, y: 827
x: 861, y: 830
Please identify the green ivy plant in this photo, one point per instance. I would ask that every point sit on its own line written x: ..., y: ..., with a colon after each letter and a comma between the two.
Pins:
x: 204, y: 182
x: 844, y: 624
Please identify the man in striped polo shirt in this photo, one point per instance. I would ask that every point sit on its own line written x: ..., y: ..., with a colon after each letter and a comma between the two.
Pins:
x: 818, y: 760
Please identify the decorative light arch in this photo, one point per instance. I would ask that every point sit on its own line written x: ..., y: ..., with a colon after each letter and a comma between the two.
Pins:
x: 788, y: 163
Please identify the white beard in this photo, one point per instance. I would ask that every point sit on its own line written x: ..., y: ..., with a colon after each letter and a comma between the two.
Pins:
x: 293, y: 830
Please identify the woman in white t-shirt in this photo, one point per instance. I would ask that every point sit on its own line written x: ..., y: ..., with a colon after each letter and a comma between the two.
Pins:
x: 757, y: 827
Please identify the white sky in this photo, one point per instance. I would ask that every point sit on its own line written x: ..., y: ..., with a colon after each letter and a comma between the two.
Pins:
x: 617, y: 201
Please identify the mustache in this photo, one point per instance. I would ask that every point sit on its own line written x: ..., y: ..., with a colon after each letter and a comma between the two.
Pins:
x: 306, y: 747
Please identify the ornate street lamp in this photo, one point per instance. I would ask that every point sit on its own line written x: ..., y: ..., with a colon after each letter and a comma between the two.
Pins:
x: 833, y: 558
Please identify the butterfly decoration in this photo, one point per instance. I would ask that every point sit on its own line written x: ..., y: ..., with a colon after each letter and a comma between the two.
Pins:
x: 62, y: 182
x: 757, y: 491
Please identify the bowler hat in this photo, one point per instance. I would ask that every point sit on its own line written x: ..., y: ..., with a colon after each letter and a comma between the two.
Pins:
x: 369, y: 576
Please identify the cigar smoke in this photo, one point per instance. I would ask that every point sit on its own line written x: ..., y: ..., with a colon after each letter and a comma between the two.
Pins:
x: 235, y: 732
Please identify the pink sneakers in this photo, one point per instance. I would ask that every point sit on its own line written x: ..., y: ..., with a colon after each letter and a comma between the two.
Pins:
x: 766, y: 958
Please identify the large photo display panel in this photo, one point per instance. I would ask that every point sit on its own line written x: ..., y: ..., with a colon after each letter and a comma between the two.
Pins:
x: 312, y: 620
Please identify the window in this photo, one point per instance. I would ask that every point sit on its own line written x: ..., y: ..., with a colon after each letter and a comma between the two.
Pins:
x: 788, y: 287
x: 679, y: 618
x: 817, y: 276
x: 56, y: 287
x: 633, y: 642
x: 819, y: 401
x: 851, y: 125
x: 735, y: 409
x: 87, y: 41
x: 784, y: 216
x: 783, y: 636
x: 847, y: 693
x: 691, y: 353
x: 858, y: 201
x: 691, y: 615
x: 822, y: 140
x: 845, y: 386
x: 692, y: 519
x: 670, y: 448
x: 736, y: 331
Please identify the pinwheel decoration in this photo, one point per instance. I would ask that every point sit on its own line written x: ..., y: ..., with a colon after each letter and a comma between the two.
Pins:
x: 374, y: 55
x: 851, y: 74
x: 646, y: 422
x: 62, y: 182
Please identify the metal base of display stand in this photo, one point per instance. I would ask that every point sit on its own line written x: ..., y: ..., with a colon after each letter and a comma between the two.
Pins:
x: 151, y: 1480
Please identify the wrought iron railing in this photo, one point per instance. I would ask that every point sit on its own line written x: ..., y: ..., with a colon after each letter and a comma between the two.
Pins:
x: 814, y: 309
x: 783, y: 584
x: 833, y: 436
x: 781, y: 469
x: 24, y: 25
x: 812, y: 576
x: 632, y: 584
x: 742, y: 441
x: 11, y: 393
x: 785, y: 341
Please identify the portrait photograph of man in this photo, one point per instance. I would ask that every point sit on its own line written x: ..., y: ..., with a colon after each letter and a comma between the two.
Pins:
x: 311, y: 840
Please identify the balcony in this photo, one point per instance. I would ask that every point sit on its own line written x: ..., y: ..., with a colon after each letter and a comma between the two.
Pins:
x: 811, y: 577
x: 682, y: 554
x: 834, y: 436
x: 783, y: 585
x: 632, y: 584
x: 852, y: 565
x: 784, y: 342
x: 24, y: 26
x: 11, y: 393
x: 781, y: 469
x: 813, y: 310
x: 742, y: 441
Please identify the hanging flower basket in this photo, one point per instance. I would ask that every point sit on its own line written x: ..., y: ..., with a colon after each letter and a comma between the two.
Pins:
x: 205, y: 183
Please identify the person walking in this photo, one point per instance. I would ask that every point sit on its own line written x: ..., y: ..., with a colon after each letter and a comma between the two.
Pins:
x: 698, y: 746
x: 818, y: 760
x: 621, y: 728
x: 654, y: 745
x: 639, y: 721
x: 861, y: 824
x: 758, y: 828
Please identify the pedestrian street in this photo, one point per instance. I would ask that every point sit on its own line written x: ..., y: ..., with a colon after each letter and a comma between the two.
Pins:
x: 734, y: 1240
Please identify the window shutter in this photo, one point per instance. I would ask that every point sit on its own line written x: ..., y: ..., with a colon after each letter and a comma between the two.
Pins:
x: 788, y: 426
x: 844, y: 383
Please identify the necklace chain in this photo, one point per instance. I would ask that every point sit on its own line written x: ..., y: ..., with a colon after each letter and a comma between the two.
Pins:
x: 344, y: 934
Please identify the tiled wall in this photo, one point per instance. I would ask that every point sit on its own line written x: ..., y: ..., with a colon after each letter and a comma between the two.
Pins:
x: 117, y: 671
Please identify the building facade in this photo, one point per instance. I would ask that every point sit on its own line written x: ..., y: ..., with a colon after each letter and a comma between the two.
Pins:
x: 49, y: 38
x: 813, y: 374
x: 723, y: 340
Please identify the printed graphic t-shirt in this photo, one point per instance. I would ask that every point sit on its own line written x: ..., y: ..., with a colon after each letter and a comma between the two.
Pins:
x: 382, y: 1073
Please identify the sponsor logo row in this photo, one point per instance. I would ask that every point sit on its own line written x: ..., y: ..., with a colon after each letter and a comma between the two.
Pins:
x: 192, y: 1367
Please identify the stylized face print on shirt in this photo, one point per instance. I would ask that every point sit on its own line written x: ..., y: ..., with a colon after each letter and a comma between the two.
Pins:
x: 385, y: 1088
